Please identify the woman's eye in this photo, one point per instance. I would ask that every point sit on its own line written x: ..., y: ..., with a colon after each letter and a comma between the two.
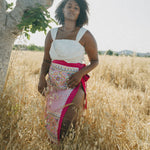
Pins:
x: 76, y: 8
x: 69, y: 7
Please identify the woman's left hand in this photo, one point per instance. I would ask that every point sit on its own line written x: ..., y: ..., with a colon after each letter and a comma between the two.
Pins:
x: 74, y: 79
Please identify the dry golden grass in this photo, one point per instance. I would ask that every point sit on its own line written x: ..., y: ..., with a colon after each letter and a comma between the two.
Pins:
x: 118, y: 115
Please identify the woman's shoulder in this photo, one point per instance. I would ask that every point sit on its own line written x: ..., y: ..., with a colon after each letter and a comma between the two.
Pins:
x: 52, y: 32
x: 88, y: 34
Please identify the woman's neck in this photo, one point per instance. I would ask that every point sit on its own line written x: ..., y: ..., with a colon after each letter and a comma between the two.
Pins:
x: 69, y: 26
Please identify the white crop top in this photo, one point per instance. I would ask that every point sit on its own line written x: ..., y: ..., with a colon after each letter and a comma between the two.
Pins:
x: 68, y: 50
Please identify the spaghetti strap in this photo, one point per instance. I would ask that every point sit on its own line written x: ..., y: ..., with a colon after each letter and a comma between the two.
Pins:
x: 53, y: 33
x: 80, y: 34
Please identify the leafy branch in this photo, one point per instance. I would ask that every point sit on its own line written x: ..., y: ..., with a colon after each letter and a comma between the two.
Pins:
x: 35, y: 19
x: 9, y: 6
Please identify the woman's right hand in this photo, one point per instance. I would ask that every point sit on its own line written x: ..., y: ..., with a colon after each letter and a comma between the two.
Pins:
x: 42, y: 84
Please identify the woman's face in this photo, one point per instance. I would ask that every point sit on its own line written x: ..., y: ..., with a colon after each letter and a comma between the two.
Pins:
x: 71, y: 10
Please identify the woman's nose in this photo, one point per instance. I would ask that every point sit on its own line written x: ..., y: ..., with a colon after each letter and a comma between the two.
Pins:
x: 71, y: 9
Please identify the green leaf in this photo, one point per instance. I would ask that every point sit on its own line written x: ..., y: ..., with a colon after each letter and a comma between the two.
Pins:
x: 9, y: 6
x: 27, y: 35
x: 35, y: 19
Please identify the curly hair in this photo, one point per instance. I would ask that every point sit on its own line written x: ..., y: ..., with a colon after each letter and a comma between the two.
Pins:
x: 83, y: 16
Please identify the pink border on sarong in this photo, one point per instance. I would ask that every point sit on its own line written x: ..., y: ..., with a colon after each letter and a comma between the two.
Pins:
x: 73, y: 93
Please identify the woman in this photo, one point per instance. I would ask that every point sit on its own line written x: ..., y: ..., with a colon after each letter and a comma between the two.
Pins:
x: 65, y: 47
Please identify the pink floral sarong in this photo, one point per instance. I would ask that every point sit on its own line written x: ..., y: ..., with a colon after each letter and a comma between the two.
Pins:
x: 59, y: 96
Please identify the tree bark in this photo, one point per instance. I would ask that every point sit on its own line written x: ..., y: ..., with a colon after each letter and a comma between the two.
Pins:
x: 9, y: 31
x: 2, y: 14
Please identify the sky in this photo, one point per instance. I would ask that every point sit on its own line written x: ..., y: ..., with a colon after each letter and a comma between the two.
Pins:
x: 115, y: 24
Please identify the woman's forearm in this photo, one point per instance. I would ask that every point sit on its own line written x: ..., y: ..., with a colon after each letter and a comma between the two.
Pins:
x: 45, y: 68
x: 89, y: 68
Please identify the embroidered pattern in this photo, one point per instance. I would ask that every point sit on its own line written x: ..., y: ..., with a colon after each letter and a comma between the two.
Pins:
x: 56, y: 100
x: 58, y: 96
x: 59, y: 74
x: 52, y: 125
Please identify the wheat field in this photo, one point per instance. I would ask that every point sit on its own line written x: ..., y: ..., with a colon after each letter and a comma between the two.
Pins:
x: 118, y: 114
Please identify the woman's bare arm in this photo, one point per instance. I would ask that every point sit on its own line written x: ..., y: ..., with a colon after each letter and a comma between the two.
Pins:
x: 45, y: 64
x: 92, y: 52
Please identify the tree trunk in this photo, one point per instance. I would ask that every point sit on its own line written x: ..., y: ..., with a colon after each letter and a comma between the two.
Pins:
x: 9, y: 31
x: 6, y: 42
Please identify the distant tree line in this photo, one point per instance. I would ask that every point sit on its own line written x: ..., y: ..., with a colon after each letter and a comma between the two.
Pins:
x: 124, y: 53
x: 109, y: 52
x: 31, y: 47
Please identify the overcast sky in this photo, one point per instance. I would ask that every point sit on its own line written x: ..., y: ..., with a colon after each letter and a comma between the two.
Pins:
x: 116, y: 24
